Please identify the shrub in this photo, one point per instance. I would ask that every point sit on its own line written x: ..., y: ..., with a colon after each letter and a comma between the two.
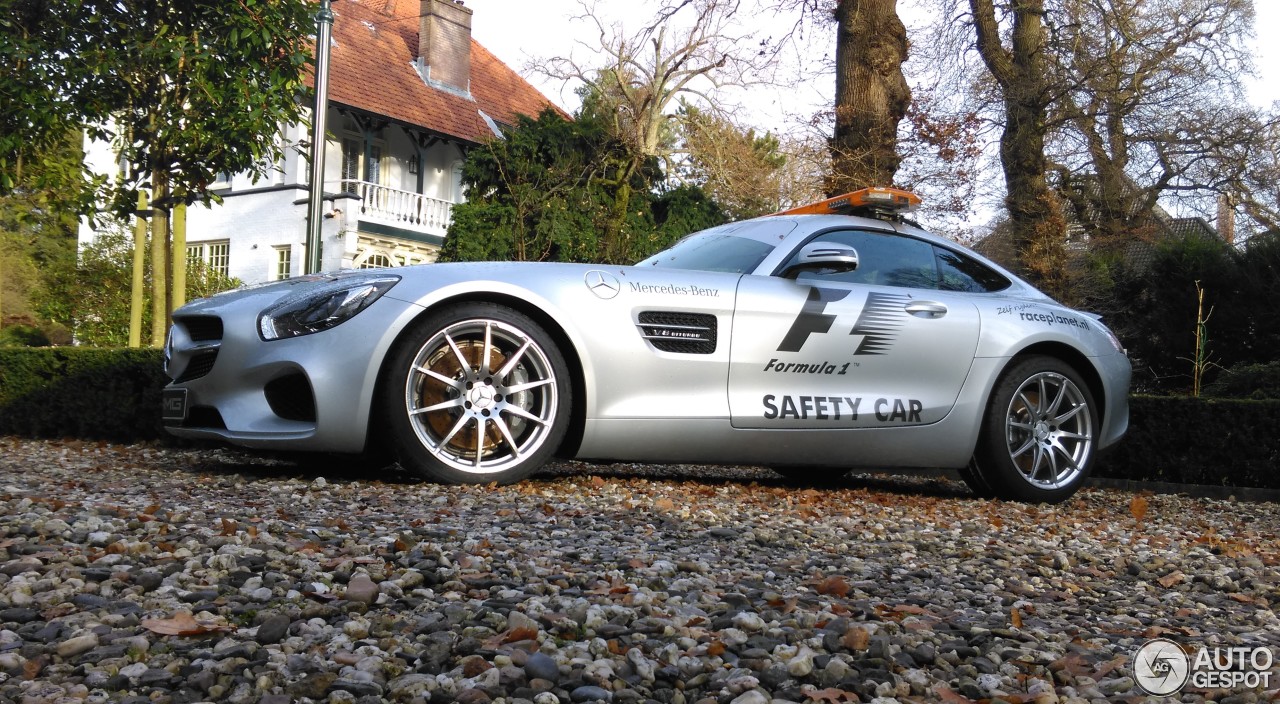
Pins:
x: 1255, y: 381
x: 94, y: 394
x: 1187, y: 440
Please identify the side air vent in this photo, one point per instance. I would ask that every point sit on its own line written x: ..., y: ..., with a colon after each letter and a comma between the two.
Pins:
x: 687, y: 333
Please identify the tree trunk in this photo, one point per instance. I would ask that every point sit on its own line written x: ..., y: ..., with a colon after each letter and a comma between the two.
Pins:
x: 1035, y: 214
x: 871, y: 94
x: 159, y: 260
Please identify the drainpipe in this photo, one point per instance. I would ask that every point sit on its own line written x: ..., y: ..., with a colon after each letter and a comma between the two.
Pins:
x: 324, y: 26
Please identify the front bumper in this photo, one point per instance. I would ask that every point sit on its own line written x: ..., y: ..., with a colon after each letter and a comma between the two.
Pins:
x: 311, y: 393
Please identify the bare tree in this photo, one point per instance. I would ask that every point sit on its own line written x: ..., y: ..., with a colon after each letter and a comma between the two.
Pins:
x: 1020, y: 71
x: 1148, y: 102
x: 872, y: 95
x: 691, y: 50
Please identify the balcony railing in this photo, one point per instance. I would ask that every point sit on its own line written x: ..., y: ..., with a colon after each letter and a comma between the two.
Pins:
x: 392, y: 206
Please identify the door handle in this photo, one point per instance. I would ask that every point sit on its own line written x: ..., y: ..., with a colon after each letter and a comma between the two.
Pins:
x: 926, y: 309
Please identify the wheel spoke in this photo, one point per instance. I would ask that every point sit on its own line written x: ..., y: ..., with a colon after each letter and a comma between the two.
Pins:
x: 1062, y: 434
x: 518, y: 411
x: 466, y: 366
x: 1075, y: 411
x: 1065, y: 455
x: 506, y: 435
x: 451, y: 403
x: 462, y: 423
x: 1030, y: 443
x: 528, y: 385
x: 512, y: 361
x: 488, y: 348
x: 1021, y: 426
x: 439, y: 377
x: 1057, y: 399
x: 1028, y: 405
x: 480, y: 423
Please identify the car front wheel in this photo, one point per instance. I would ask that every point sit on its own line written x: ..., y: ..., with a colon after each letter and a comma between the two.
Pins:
x: 1039, y: 434
x: 477, y: 393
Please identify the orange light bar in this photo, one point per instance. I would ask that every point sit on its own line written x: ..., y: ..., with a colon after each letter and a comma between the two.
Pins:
x: 894, y: 200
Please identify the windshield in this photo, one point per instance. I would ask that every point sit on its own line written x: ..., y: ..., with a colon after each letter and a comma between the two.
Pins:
x: 717, y: 249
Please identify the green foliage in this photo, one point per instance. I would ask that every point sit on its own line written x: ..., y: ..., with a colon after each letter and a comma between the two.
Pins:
x: 1234, y: 443
x: 93, y: 299
x: 23, y: 336
x: 195, y: 87
x: 38, y: 233
x: 65, y: 391
x: 551, y: 191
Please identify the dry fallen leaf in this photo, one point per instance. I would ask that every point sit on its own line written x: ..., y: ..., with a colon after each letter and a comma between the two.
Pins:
x: 834, y: 585
x: 664, y: 504
x: 1138, y: 506
x: 1174, y: 577
x: 183, y: 624
x: 856, y: 639
x: 945, y: 694
x: 830, y: 694
x: 1015, y: 617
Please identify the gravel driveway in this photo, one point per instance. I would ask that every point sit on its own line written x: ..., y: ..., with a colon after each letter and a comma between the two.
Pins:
x: 139, y: 574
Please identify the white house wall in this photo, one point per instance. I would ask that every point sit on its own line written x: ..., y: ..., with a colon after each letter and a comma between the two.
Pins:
x: 257, y: 218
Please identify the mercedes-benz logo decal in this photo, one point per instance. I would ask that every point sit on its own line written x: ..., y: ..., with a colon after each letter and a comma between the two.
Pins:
x: 602, y: 283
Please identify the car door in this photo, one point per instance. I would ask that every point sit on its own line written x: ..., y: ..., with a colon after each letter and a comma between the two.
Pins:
x: 877, y: 347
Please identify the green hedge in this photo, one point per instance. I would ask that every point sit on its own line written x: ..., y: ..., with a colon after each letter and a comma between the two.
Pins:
x: 99, y: 394
x: 1183, y: 440
x: 87, y: 393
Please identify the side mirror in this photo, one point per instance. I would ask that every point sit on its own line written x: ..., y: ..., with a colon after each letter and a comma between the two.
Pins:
x: 836, y: 258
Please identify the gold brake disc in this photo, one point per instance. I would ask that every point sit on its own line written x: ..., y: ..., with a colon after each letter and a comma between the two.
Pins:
x: 433, y: 391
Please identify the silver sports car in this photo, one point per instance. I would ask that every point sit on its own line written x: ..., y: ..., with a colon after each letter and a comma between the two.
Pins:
x: 809, y: 343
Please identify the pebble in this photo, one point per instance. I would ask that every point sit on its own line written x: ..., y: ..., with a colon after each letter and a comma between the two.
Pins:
x: 625, y: 584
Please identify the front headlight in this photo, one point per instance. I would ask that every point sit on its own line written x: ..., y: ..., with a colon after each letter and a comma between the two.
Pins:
x: 322, y: 308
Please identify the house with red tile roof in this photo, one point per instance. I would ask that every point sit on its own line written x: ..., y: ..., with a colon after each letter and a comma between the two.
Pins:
x: 409, y: 93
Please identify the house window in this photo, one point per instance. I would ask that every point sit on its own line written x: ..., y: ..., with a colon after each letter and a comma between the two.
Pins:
x: 216, y: 256
x: 284, y: 263
x: 376, y: 261
x: 353, y: 163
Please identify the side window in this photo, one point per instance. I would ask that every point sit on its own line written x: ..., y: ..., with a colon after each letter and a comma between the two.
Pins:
x: 883, y: 260
x: 960, y: 273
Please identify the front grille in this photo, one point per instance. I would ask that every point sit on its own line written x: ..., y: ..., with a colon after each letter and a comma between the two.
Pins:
x: 201, y: 363
x: 192, y: 347
x: 202, y: 328
x: 687, y: 333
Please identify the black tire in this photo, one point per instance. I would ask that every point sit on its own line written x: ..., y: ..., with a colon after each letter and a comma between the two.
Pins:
x: 476, y: 393
x: 1039, y: 435
x: 977, y: 482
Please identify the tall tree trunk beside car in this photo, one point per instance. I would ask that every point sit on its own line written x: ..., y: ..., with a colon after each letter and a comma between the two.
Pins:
x: 1020, y: 71
x: 872, y: 96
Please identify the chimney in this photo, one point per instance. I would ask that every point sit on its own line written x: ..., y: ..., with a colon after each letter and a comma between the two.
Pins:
x: 1227, y: 218
x: 444, y: 44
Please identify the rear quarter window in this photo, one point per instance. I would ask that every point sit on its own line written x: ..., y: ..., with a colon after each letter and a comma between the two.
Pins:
x: 956, y: 272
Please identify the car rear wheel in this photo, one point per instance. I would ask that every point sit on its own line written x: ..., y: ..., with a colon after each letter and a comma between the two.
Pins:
x: 1038, y: 441
x: 476, y: 393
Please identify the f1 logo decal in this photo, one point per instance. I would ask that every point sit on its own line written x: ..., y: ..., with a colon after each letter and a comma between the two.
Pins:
x: 812, y: 318
x: 878, y: 324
